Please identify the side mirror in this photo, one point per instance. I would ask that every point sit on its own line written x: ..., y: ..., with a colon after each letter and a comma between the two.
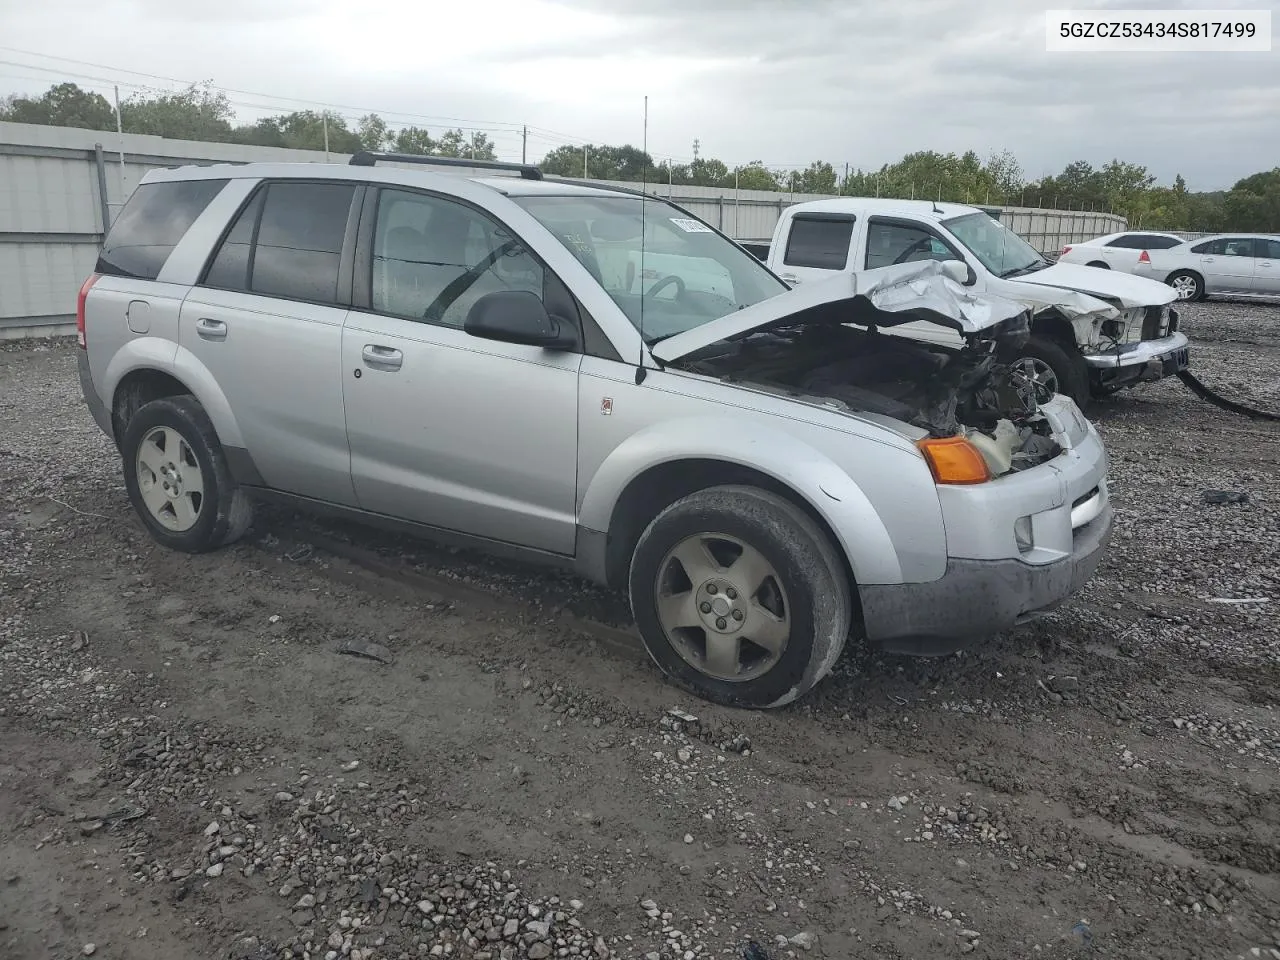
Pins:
x: 960, y: 272
x: 518, y: 316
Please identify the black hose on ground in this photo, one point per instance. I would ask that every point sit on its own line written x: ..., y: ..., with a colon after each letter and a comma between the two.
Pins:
x: 1204, y: 393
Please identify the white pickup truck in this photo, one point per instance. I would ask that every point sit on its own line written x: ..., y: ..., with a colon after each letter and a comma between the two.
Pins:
x: 1093, y: 331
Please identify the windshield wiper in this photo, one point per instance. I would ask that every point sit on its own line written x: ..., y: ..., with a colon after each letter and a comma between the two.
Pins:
x: 1029, y: 268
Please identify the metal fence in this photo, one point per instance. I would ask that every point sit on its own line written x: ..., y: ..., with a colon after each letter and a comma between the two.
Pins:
x: 60, y: 187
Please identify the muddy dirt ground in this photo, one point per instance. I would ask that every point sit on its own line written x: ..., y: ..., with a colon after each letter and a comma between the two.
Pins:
x: 190, y: 767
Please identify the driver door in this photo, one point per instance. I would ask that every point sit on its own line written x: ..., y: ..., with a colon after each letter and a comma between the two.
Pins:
x: 890, y: 242
x: 447, y: 429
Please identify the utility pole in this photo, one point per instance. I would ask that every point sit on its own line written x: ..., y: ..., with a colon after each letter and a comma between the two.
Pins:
x: 324, y: 122
x: 584, y: 161
x: 845, y: 181
x: 696, y: 144
x: 120, y: 134
x: 524, y: 145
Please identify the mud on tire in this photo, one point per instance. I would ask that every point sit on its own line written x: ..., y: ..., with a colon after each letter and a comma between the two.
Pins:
x: 170, y: 450
x: 701, y: 558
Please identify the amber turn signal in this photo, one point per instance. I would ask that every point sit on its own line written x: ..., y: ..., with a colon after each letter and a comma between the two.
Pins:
x: 954, y: 460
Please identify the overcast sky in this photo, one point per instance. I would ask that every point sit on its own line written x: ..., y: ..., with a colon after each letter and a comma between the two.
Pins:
x: 849, y: 81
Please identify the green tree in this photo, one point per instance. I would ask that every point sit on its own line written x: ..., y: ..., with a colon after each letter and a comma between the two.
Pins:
x: 455, y: 143
x: 603, y: 162
x: 710, y: 173
x: 818, y: 177
x: 302, y: 130
x: 62, y: 105
x: 1254, y: 203
x: 412, y: 140
x: 372, y: 131
x: 754, y: 176
x: 197, y: 113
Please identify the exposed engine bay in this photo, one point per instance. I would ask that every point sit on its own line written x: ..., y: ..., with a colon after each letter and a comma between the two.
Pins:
x: 975, y: 391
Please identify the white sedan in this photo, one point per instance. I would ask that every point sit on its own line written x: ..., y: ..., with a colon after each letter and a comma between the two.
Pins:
x: 1117, y: 251
x: 1235, y: 264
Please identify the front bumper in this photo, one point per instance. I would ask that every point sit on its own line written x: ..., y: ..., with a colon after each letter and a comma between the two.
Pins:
x: 976, y: 599
x: 1145, y: 360
x: 97, y: 408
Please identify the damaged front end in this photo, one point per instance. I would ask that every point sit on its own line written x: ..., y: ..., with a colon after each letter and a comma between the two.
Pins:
x: 868, y: 353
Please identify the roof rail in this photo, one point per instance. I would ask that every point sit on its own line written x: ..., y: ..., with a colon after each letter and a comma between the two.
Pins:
x: 367, y: 158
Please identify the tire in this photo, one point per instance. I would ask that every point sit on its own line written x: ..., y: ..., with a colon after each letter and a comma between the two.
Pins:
x: 1101, y: 265
x: 172, y: 441
x: 1070, y: 376
x: 1189, y: 281
x: 799, y: 574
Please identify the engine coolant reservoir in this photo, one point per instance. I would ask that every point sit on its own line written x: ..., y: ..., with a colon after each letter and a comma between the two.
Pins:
x: 997, y: 448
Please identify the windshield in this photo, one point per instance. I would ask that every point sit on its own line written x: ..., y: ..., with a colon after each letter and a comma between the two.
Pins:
x: 1001, y: 250
x: 686, y: 275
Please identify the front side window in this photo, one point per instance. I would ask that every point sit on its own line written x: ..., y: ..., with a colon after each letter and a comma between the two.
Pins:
x: 890, y: 243
x: 666, y: 271
x: 1238, y: 247
x: 997, y: 247
x: 434, y: 258
x: 817, y: 241
x: 156, y: 217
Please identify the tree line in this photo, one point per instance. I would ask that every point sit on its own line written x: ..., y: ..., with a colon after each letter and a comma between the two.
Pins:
x: 1128, y: 189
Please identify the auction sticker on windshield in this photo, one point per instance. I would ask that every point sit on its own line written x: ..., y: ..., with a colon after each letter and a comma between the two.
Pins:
x: 690, y: 226
x: 1157, y: 31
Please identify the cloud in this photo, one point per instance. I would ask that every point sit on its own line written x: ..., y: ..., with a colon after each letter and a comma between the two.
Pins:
x: 847, y: 81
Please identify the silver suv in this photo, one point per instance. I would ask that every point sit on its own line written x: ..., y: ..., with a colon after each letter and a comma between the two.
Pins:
x: 601, y: 381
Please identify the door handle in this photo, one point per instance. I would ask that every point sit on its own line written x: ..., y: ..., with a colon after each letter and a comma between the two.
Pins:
x: 208, y: 329
x: 1208, y: 260
x: 381, y: 358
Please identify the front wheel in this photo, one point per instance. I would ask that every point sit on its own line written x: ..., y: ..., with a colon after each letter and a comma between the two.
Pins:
x: 740, y: 597
x: 177, y: 477
x: 1053, y: 368
x: 1187, y: 285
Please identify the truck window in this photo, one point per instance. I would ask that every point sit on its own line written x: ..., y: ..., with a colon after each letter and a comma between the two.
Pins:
x: 890, y: 243
x: 819, y: 241
x: 156, y: 217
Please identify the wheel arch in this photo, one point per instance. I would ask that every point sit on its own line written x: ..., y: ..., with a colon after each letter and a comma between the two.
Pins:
x: 141, y: 374
x: 637, y: 481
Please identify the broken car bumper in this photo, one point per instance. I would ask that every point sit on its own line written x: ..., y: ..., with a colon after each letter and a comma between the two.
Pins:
x: 1168, y: 355
x: 976, y: 599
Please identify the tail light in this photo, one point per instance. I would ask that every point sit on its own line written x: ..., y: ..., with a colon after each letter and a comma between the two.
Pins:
x: 1065, y: 251
x: 1144, y: 257
x: 84, y: 294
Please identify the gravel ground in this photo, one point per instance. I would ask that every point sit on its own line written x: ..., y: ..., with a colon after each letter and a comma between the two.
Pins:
x: 190, y: 766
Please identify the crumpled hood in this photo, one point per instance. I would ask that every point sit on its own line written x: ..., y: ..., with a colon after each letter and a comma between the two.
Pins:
x: 888, y: 296
x: 1113, y: 286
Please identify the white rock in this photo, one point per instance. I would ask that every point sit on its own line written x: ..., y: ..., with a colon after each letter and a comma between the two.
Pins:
x: 211, y: 829
x: 213, y: 871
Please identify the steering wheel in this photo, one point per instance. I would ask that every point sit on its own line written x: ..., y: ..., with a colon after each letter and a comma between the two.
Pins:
x: 666, y: 282
x: 924, y: 243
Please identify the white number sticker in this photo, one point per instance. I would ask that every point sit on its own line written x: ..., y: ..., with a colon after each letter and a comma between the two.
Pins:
x: 690, y: 226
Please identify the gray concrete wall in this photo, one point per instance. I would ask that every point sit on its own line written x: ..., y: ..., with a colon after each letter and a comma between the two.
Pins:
x: 60, y: 187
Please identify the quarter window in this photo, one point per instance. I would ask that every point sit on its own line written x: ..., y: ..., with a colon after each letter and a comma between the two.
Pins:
x: 156, y: 217
x: 434, y: 258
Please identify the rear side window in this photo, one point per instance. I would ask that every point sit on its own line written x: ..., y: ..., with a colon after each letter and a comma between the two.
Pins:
x: 821, y: 242
x: 1163, y: 243
x: 1210, y: 246
x: 151, y: 224
x: 286, y: 242
x: 1144, y: 241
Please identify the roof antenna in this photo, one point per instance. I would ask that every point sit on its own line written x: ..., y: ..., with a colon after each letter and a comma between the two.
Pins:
x: 935, y: 206
x: 644, y: 202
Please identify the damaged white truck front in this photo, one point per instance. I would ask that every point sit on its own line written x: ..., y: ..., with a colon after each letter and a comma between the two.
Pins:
x: 1093, y: 331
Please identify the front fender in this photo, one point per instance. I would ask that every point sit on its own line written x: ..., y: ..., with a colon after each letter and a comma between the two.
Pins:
x: 803, y: 468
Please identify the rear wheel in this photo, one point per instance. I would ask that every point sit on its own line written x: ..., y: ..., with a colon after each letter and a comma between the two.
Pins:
x: 740, y: 597
x: 1053, y: 368
x: 1187, y: 285
x: 1100, y: 264
x: 177, y: 477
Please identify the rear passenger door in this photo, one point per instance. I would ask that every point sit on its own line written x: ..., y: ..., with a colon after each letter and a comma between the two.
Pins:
x: 266, y: 321
x: 816, y: 246
x: 448, y: 429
